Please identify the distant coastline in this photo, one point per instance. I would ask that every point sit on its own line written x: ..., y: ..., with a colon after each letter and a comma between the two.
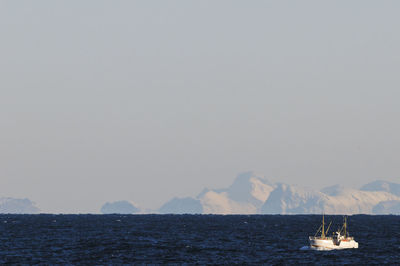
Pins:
x: 252, y: 193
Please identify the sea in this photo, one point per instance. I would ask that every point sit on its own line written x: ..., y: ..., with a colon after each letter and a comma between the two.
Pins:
x: 191, y: 240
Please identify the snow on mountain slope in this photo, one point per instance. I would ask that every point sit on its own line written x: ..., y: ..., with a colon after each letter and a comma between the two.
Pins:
x: 245, y: 196
x: 381, y: 185
x: 336, y: 190
x: 17, y: 206
x: 356, y: 202
x: 387, y: 207
x: 182, y: 205
x: 250, y: 187
x: 287, y: 199
x: 220, y: 203
x: 251, y: 193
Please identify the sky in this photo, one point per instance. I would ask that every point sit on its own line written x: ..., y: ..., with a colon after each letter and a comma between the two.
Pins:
x: 147, y: 100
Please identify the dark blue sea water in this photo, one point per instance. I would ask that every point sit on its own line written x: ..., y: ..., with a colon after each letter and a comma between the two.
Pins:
x: 190, y: 239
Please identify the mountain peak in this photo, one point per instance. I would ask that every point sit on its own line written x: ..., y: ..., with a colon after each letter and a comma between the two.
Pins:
x: 21, y: 206
x: 250, y: 187
x: 120, y: 207
x: 246, y: 176
x: 182, y: 206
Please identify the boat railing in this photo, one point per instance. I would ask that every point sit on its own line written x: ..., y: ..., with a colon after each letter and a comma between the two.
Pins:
x: 320, y: 238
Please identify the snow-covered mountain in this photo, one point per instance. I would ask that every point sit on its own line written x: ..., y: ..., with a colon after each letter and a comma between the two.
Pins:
x: 252, y: 193
x: 18, y: 206
x: 381, y: 185
x: 387, y: 207
x: 245, y: 196
x: 287, y: 199
x: 182, y: 205
x: 119, y: 207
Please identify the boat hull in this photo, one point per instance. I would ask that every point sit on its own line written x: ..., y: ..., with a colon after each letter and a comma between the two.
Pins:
x: 329, y: 244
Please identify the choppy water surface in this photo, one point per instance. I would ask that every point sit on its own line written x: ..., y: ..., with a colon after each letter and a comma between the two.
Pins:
x: 190, y: 239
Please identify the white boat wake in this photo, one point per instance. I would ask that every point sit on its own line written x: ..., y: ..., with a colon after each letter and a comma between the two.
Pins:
x: 305, y: 248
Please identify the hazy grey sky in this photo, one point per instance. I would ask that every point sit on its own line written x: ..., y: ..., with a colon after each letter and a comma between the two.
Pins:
x: 145, y: 100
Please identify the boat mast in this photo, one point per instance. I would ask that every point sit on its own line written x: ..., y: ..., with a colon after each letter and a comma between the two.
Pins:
x: 323, y: 227
x: 329, y: 226
x: 345, y: 226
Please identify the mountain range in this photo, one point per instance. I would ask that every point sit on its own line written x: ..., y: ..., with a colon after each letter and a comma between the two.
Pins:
x: 252, y: 193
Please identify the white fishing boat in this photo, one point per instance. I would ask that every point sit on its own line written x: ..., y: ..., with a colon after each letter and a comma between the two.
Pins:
x: 339, y: 240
